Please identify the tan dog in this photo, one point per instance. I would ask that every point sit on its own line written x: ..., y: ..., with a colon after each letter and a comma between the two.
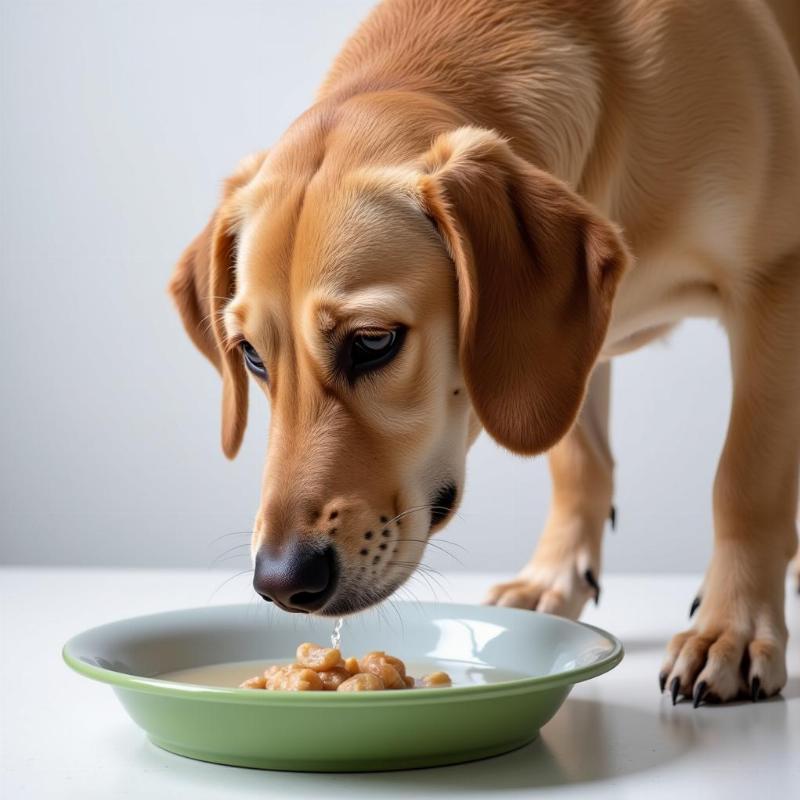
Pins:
x: 436, y: 246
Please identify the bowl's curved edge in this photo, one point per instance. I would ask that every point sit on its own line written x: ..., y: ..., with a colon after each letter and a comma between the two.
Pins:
x: 235, y: 695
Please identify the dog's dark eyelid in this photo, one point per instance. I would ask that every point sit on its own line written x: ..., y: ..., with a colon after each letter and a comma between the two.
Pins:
x: 367, y: 351
x: 252, y: 360
x: 375, y: 342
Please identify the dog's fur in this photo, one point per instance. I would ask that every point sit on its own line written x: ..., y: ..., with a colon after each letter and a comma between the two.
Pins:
x: 469, y: 171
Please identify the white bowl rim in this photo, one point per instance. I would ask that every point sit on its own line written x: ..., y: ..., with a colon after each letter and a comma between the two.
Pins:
x: 74, y: 658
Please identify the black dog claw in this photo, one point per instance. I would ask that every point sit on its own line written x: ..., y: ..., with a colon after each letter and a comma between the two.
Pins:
x: 674, y: 688
x: 695, y: 606
x: 755, y: 689
x: 592, y: 581
x: 612, y: 518
x: 662, y: 681
x: 700, y: 692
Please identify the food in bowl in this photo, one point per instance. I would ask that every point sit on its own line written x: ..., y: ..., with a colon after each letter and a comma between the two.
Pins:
x: 322, y: 669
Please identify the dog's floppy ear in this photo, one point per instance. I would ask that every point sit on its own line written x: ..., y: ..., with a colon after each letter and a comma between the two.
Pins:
x: 201, y: 284
x: 536, y: 269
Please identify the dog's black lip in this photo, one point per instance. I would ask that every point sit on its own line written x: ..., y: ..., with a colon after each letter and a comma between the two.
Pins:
x: 353, y: 605
x: 443, y: 503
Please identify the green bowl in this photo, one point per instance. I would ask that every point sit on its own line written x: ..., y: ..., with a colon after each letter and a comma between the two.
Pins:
x: 329, y: 731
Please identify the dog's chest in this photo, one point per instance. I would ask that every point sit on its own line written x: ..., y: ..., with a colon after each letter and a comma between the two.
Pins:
x: 656, y: 295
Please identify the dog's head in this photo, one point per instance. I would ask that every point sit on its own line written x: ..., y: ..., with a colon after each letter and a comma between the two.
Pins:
x: 388, y: 311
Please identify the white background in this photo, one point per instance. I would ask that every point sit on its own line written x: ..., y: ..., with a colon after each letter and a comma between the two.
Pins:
x: 118, y: 121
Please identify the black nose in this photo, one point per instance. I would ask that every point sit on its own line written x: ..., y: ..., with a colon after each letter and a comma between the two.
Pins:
x: 297, y: 578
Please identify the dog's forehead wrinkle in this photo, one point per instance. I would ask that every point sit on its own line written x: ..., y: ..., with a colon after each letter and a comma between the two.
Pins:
x: 372, y: 305
x: 326, y: 321
x: 348, y: 229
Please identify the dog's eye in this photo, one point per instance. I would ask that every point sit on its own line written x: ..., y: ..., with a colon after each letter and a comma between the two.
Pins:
x: 372, y: 349
x: 253, y: 361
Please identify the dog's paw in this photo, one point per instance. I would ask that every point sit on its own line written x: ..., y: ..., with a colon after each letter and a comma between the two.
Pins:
x: 727, y: 657
x: 563, y: 590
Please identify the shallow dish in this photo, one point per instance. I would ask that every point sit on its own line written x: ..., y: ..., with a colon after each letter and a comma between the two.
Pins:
x: 330, y: 731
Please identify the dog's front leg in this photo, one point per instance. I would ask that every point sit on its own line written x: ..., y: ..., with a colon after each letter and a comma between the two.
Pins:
x: 738, y: 641
x: 564, y: 570
x: 796, y: 562
x: 797, y: 571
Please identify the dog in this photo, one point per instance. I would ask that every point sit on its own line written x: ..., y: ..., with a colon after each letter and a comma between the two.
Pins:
x: 487, y: 202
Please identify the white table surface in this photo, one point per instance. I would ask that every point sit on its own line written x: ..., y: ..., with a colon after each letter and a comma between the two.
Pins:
x: 62, y: 736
